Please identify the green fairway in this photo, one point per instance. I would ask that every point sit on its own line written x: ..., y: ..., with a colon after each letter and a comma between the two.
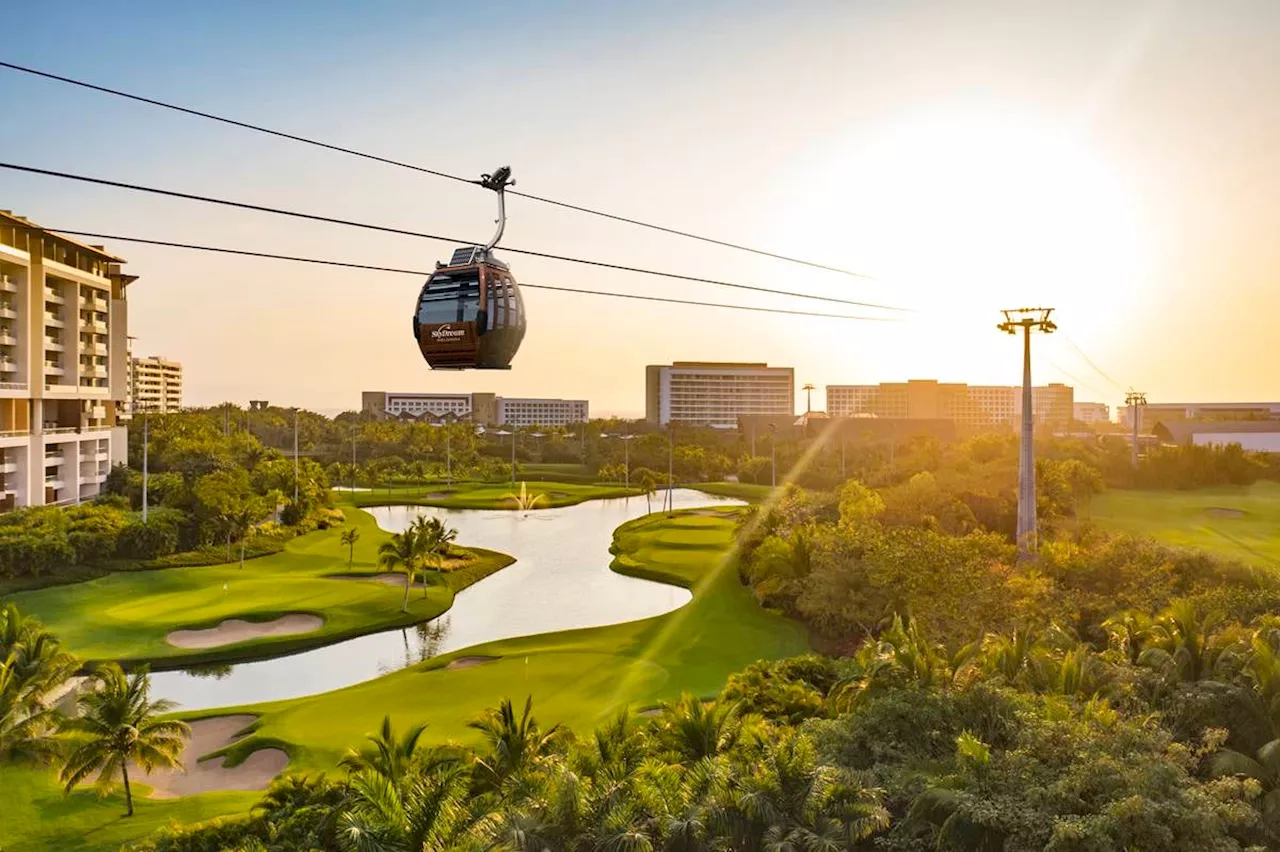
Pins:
x: 578, y: 677
x: 1237, y: 522
x: 489, y: 495
x: 36, y: 817
x: 747, y: 491
x: 127, y: 616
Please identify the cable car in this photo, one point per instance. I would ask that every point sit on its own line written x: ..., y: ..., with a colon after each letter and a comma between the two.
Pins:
x: 470, y: 314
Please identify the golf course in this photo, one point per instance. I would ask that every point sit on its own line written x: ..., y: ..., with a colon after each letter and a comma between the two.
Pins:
x: 1238, y: 522
x: 578, y: 677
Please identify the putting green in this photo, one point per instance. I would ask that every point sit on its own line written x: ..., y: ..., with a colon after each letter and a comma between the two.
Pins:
x: 128, y: 616
x: 1236, y: 522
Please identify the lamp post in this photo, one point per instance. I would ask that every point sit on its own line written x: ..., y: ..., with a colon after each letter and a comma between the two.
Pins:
x: 671, y: 456
x: 512, y: 433
x: 146, y: 438
x: 626, y: 456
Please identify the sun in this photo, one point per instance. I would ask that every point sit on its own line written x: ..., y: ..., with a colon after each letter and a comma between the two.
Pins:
x: 972, y: 210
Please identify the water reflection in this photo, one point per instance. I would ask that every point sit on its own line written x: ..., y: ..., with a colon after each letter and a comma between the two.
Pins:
x: 561, y: 580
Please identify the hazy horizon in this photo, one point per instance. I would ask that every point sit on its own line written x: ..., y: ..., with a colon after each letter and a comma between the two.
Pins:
x: 1114, y: 161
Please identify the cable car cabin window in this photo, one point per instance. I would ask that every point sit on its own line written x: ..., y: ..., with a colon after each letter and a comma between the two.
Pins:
x: 513, y: 304
x: 450, y: 298
x: 495, y: 317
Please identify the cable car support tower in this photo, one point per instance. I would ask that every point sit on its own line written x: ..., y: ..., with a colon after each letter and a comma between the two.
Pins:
x: 1027, y: 320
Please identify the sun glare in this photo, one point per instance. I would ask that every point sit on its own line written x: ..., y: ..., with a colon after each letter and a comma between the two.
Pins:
x: 972, y: 211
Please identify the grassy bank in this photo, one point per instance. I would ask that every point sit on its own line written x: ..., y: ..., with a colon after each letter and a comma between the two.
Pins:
x: 1237, y: 522
x: 488, y: 495
x: 577, y: 677
x: 128, y: 615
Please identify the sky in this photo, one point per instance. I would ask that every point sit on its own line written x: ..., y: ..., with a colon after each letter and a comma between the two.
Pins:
x: 1117, y: 161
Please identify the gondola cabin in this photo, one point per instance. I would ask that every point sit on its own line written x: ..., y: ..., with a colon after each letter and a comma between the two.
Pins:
x: 470, y: 313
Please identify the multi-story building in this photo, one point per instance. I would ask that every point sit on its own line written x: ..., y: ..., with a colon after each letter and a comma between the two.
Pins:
x: 1169, y: 412
x: 63, y: 328
x: 978, y: 406
x: 157, y: 385
x: 484, y: 408
x: 1092, y: 413
x: 541, y: 412
x: 715, y: 394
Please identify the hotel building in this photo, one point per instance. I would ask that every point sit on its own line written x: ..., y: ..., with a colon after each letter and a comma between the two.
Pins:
x: 1167, y: 412
x: 1092, y: 413
x: 483, y: 408
x: 157, y: 385
x: 697, y: 393
x: 63, y: 365
x: 976, y: 406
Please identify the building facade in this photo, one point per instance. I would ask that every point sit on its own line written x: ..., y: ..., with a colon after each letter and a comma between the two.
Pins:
x: 1092, y: 413
x: 697, y: 393
x: 483, y: 408
x: 157, y: 385
x: 63, y: 365
x: 1170, y: 412
x: 976, y: 406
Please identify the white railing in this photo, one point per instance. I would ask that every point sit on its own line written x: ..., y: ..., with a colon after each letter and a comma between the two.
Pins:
x: 8, y: 313
x: 14, y: 433
x: 61, y: 430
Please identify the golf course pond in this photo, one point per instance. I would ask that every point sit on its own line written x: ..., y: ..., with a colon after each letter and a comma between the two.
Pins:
x: 560, y: 581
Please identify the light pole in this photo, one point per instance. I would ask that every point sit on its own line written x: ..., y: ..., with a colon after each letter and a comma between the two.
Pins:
x: 295, y: 456
x: 512, y: 433
x: 808, y: 398
x: 146, y: 438
x: 1027, y: 320
x: 773, y: 453
x: 448, y: 457
x: 353, y: 462
x: 671, y: 456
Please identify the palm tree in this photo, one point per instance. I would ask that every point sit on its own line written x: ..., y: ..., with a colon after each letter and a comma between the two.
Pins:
x: 401, y: 553
x: 432, y: 539
x: 693, y: 731
x: 119, y: 724
x: 648, y: 485
x: 33, y: 667
x: 784, y: 799
x: 428, y: 810
x: 513, y: 745
x: 1183, y: 645
x: 386, y: 754
x: 1263, y: 767
x: 349, y: 538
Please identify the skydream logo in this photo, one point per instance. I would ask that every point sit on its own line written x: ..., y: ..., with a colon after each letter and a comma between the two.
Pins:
x: 446, y: 332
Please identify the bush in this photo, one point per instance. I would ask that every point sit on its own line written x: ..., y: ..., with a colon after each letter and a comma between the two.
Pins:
x: 151, y: 540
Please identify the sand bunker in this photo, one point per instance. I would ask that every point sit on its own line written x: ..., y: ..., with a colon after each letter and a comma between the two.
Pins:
x: 470, y: 662
x: 651, y: 712
x: 1220, y: 512
x: 715, y: 513
x: 238, y: 630
x: 204, y: 776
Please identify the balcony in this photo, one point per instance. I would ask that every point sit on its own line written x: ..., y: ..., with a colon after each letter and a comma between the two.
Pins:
x: 94, y: 371
x: 94, y: 348
x: 54, y: 343
x: 54, y: 296
x: 8, y: 285
x: 90, y: 303
x: 94, y: 325
x: 8, y: 365
x: 52, y: 319
x: 7, y: 312
x: 53, y: 369
x: 7, y: 338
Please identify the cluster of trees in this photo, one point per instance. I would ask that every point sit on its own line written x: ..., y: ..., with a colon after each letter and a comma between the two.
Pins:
x: 1165, y: 740
x: 115, y: 722
x: 417, y: 550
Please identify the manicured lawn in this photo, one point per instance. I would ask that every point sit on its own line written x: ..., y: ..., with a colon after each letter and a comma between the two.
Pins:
x: 36, y: 817
x: 578, y: 677
x: 738, y: 490
x: 1238, y: 522
x: 489, y: 495
x: 126, y: 616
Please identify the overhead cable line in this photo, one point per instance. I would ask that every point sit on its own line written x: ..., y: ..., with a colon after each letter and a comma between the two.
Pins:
x: 405, y: 232
x: 1089, y: 361
x: 1080, y: 383
x: 400, y: 271
x: 434, y: 172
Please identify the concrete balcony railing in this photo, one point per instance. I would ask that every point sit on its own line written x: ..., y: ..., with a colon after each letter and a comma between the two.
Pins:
x: 54, y: 296
x: 55, y: 344
x: 94, y: 348
x: 7, y: 312
x: 15, y: 433
x: 8, y: 467
x: 7, y: 338
x: 52, y: 319
x: 8, y: 365
x: 93, y: 325
x: 11, y: 386
x: 7, y: 284
x: 53, y: 369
